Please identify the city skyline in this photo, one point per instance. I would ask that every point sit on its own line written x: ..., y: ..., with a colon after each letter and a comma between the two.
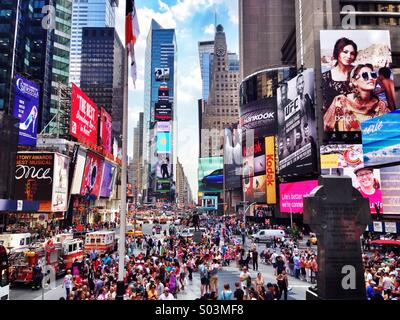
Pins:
x: 194, y: 22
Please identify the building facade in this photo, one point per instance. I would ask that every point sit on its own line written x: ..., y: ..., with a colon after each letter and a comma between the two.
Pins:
x: 263, y: 29
x: 39, y: 51
x: 159, y: 106
x: 206, y: 51
x: 222, y: 108
x: 102, y: 72
x: 183, y: 191
x: 137, y: 166
x: 87, y: 13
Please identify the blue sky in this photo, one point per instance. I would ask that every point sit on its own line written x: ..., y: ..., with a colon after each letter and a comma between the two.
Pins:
x: 194, y: 21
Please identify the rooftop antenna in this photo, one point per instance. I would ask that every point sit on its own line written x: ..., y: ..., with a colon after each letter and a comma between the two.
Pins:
x: 215, y: 16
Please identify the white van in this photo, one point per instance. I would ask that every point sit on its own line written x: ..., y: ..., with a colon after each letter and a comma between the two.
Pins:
x: 268, y: 234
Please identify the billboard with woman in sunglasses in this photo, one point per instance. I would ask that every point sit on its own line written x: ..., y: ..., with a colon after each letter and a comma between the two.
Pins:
x: 357, y: 83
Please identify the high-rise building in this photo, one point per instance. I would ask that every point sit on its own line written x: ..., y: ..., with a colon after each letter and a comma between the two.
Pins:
x: 206, y: 51
x: 102, y: 72
x: 183, y: 190
x: 222, y: 108
x: 263, y: 29
x: 39, y: 53
x: 87, y: 13
x: 137, y: 157
x: 160, y: 75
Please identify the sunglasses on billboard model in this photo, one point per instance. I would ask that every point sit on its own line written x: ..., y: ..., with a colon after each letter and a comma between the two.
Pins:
x: 368, y: 75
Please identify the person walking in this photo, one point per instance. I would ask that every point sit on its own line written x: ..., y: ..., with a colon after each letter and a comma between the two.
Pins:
x: 67, y: 283
x: 255, y: 259
x: 283, y: 285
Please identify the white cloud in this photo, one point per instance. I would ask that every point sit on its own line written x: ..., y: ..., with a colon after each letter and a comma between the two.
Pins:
x: 210, y: 29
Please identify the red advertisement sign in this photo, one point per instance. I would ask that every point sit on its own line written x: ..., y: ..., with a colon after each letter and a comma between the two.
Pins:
x: 92, y: 175
x: 84, y: 117
x: 105, y: 130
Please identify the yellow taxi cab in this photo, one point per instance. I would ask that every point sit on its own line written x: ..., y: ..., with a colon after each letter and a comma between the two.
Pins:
x: 135, y: 233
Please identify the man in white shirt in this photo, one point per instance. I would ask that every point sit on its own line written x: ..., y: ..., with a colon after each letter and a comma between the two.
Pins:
x: 166, y: 295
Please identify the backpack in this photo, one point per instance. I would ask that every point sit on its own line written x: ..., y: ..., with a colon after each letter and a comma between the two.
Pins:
x: 248, y: 281
x: 203, y: 272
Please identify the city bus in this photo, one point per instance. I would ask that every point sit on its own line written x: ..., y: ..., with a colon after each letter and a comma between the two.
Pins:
x: 4, y: 275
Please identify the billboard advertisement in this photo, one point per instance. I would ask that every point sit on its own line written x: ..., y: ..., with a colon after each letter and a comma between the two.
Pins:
x: 368, y: 182
x: 92, y: 175
x: 211, y: 174
x: 26, y: 110
x: 60, y: 183
x: 107, y: 183
x: 260, y: 211
x: 163, y: 127
x: 259, y: 188
x: 163, y: 185
x: 78, y: 173
x: 84, y: 117
x: 164, y: 167
x: 163, y: 142
x: 248, y: 188
x: 390, y: 187
x: 357, y: 82
x: 162, y: 74
x: 296, y: 125
x: 291, y: 195
x: 270, y: 165
x: 232, y: 158
x: 105, y: 130
x: 34, y: 176
x: 381, y: 140
x: 163, y: 93
x: 335, y: 156
x: 260, y: 116
x: 163, y: 111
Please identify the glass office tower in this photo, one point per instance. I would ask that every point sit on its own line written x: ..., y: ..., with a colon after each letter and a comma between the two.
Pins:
x: 161, y: 55
x: 87, y: 13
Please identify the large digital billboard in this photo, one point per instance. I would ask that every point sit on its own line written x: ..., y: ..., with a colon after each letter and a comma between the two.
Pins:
x: 34, y: 174
x: 26, y: 110
x: 260, y: 116
x: 292, y: 194
x: 390, y: 187
x: 162, y: 74
x: 164, y: 167
x: 92, y: 175
x: 163, y: 142
x: 78, y: 172
x: 259, y: 189
x: 209, y: 203
x: 60, y: 183
x: 163, y: 111
x: 296, y: 125
x: 336, y: 156
x: 84, y: 117
x: 232, y: 158
x: 163, y: 185
x: 211, y: 174
x: 105, y: 130
x: 357, y: 82
x: 381, y: 140
x: 270, y: 165
x: 108, y: 180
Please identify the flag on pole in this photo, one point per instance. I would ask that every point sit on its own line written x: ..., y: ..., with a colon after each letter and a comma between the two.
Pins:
x: 132, y: 33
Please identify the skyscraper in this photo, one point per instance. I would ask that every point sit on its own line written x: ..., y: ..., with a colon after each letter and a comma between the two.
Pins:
x: 102, y: 72
x: 159, y: 107
x: 222, y: 109
x: 40, y: 53
x: 87, y: 13
x: 138, y: 156
x: 263, y: 29
x: 206, y: 51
